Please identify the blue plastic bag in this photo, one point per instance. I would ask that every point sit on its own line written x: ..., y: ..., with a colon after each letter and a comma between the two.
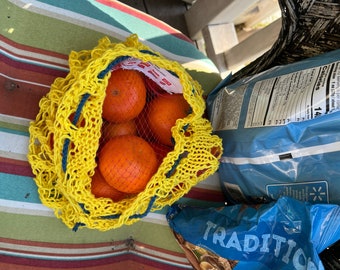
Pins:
x: 287, y: 234
x: 281, y: 132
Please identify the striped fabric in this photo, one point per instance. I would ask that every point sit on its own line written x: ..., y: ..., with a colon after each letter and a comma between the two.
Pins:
x: 35, y: 40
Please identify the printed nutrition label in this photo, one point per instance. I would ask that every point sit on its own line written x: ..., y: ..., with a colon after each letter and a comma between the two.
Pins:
x: 227, y: 108
x: 295, y: 97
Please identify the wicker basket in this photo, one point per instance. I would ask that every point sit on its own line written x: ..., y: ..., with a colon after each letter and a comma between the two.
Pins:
x: 309, y: 28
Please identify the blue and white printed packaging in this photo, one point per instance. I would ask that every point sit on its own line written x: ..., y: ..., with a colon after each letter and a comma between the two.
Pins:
x: 287, y: 234
x: 281, y: 132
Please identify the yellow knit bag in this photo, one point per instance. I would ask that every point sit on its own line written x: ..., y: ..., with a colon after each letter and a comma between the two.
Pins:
x: 63, y: 173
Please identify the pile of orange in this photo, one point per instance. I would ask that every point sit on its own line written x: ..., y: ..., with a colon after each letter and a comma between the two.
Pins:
x: 136, y: 133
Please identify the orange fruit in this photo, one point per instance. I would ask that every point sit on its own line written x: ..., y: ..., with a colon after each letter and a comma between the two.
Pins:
x: 111, y: 130
x: 100, y: 188
x: 127, y: 163
x: 162, y: 114
x: 125, y: 96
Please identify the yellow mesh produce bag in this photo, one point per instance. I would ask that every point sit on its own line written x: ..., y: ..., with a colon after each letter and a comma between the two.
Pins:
x: 66, y: 136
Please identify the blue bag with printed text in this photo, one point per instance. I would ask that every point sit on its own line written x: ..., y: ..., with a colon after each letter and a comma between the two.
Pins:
x: 281, y: 132
x: 287, y: 234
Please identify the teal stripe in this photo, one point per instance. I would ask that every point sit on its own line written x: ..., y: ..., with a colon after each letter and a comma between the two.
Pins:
x: 18, y: 188
x: 18, y: 130
x: 24, y: 189
x: 90, y: 9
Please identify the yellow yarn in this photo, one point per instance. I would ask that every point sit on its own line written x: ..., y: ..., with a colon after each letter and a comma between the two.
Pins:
x: 62, y: 155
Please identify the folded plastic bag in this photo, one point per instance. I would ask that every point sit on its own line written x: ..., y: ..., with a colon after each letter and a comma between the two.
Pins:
x: 281, y: 132
x: 287, y: 234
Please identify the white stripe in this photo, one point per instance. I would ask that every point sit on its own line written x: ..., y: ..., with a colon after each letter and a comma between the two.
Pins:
x: 36, y: 209
x: 24, y: 81
x: 13, y: 146
x: 161, y: 257
x: 25, y: 53
x: 10, y: 155
x: 80, y: 253
x: 69, y: 251
x: 21, y: 59
x: 66, y: 258
x: 96, y: 25
x: 15, y: 120
x: 296, y: 153
x: 25, y: 208
x: 200, y: 65
x: 140, y: 248
x: 212, y: 182
x: 156, y: 218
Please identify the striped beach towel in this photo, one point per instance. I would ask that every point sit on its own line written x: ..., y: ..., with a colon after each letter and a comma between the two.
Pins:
x: 35, y: 40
